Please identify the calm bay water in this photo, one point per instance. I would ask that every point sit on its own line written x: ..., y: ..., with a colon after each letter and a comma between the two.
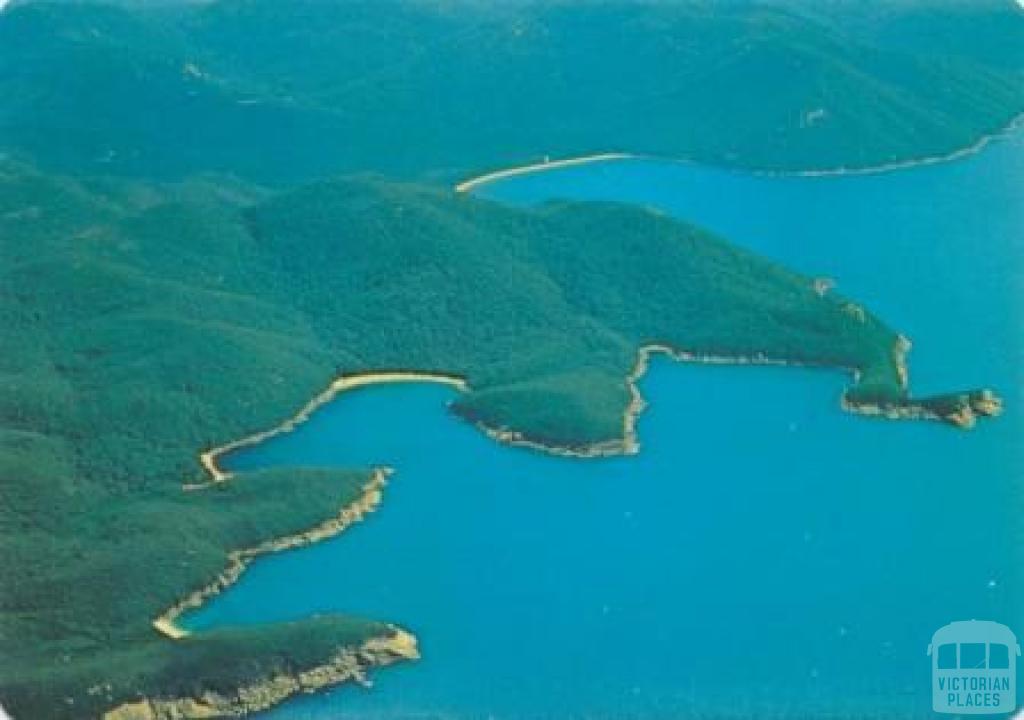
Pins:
x: 765, y: 555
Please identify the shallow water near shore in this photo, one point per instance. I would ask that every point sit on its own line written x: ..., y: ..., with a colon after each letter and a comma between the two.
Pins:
x: 765, y: 555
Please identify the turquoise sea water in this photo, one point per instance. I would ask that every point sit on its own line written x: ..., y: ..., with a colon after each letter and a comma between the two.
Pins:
x: 766, y: 555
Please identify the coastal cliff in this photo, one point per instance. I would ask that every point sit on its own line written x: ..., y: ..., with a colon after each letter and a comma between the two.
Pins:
x: 959, y: 409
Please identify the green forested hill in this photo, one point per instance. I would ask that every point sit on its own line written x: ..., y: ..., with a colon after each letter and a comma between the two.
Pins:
x: 290, y: 91
x: 143, y: 323
x: 162, y: 293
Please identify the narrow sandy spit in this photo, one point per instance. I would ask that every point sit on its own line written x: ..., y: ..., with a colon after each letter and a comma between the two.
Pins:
x: 539, y: 167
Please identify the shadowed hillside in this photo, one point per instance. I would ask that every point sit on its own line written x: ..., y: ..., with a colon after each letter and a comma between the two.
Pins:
x: 290, y: 91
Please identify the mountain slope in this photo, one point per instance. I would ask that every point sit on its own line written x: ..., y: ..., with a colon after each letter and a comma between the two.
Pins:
x: 288, y: 92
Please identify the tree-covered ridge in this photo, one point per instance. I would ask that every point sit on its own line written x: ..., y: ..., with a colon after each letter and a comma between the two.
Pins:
x: 143, y: 323
x: 291, y: 91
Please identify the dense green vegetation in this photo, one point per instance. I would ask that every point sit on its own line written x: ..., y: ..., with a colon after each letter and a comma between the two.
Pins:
x: 142, y: 323
x: 155, y: 300
x: 290, y: 91
x: 219, y: 661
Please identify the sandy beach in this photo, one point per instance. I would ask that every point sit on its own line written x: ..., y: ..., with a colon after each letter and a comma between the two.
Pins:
x: 538, y: 167
x: 208, y: 458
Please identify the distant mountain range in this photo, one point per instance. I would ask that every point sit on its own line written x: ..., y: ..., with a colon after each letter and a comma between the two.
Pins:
x: 284, y: 92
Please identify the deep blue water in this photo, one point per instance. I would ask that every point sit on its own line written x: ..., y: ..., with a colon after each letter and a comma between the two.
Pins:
x: 765, y: 554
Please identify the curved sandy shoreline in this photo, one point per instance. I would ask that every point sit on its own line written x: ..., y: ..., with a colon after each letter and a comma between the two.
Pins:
x: 977, y: 146
x: 349, y: 664
x: 208, y: 458
x: 474, y: 182
x: 239, y: 560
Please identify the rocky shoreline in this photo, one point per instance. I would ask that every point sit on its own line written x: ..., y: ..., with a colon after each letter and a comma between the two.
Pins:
x: 239, y: 560
x: 628, y: 443
x: 974, y: 148
x: 348, y: 665
x: 959, y: 409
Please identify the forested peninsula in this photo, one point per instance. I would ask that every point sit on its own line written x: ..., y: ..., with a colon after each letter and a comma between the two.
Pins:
x: 191, y: 249
x: 144, y: 324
